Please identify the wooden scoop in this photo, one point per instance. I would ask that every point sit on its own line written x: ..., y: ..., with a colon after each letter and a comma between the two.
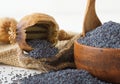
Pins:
x: 103, y: 63
x: 91, y: 20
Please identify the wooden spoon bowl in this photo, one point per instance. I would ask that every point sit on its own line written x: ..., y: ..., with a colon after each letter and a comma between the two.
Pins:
x: 103, y: 63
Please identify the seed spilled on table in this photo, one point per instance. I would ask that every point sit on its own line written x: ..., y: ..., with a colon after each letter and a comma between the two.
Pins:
x: 68, y: 76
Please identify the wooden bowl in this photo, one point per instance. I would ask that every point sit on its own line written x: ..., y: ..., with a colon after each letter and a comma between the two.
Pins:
x: 103, y: 63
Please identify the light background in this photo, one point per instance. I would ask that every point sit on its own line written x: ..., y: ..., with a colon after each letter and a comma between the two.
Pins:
x: 68, y: 13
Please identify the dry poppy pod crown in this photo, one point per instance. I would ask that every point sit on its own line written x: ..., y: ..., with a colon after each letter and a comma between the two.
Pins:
x: 8, y: 30
x: 36, y: 26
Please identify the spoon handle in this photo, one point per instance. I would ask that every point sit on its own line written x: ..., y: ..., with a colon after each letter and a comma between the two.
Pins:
x: 91, y: 20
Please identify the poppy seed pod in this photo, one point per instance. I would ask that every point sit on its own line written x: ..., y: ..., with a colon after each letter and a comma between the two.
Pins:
x: 36, y: 26
x: 8, y: 30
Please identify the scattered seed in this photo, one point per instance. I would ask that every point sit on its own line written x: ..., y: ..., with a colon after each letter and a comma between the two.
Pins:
x: 68, y: 76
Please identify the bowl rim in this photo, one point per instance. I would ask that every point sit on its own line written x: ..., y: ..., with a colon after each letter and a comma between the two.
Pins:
x: 92, y: 47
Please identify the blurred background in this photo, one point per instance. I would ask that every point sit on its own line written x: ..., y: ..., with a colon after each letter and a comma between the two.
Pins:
x: 69, y: 14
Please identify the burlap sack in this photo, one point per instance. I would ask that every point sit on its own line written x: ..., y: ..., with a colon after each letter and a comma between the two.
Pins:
x: 63, y: 59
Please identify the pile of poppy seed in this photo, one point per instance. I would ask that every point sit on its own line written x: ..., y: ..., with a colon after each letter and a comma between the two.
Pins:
x: 68, y: 76
x: 105, y: 36
x: 42, y: 49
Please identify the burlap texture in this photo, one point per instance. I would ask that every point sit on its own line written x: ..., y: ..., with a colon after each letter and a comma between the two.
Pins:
x: 64, y: 58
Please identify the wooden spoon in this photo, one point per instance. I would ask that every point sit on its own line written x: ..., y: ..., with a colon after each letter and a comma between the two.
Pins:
x: 91, y: 20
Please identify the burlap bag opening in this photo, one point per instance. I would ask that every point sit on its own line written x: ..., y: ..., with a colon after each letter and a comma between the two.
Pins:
x: 63, y: 59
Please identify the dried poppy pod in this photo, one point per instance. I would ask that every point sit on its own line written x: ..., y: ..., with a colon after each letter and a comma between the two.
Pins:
x: 36, y: 26
x: 8, y: 30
